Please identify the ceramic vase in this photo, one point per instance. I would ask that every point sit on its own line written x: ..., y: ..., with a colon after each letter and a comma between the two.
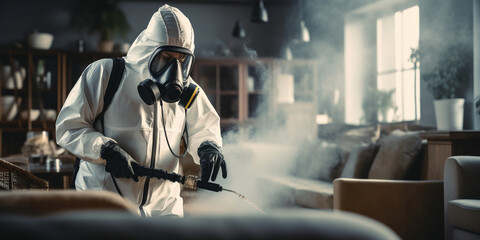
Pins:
x: 449, y: 114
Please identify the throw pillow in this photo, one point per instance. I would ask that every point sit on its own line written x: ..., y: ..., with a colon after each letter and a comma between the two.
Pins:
x: 396, y: 155
x: 318, y: 160
x: 359, y: 161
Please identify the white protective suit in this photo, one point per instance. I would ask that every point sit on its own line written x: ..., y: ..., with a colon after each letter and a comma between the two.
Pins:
x: 135, y: 126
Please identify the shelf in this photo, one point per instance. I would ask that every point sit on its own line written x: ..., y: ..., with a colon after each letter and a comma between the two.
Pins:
x: 229, y: 92
x: 242, y: 89
x: 21, y: 125
x: 65, y: 67
x: 12, y: 91
x: 30, y: 51
x: 28, y: 65
x: 257, y: 92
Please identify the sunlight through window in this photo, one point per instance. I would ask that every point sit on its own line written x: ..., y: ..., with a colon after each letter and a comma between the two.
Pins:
x: 397, y: 35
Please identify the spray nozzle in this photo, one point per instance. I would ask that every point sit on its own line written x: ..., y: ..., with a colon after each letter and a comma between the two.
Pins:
x: 191, y: 182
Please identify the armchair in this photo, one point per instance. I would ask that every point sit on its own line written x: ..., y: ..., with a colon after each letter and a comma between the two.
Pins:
x: 412, y: 209
x: 393, y: 190
x: 462, y: 197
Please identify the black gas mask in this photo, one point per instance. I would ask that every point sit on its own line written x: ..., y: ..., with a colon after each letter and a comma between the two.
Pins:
x: 170, y: 68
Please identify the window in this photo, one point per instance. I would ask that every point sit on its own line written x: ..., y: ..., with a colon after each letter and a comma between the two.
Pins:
x: 397, y: 35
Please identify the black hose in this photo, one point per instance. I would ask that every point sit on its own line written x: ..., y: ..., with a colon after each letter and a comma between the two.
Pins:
x: 173, y: 177
x: 159, y: 173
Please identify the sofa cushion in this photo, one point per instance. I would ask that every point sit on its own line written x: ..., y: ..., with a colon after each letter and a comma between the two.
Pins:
x: 359, y: 161
x: 396, y: 155
x: 300, y: 191
x: 319, y: 161
x: 320, y: 197
x: 464, y: 214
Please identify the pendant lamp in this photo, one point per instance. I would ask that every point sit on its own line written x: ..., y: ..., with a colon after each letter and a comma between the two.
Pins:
x: 287, y: 53
x: 259, y: 13
x: 238, y: 30
x: 304, y: 33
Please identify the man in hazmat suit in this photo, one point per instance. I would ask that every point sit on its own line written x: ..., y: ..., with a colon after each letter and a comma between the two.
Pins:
x: 155, y: 104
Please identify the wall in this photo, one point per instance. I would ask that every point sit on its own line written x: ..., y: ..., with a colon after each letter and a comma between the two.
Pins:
x: 450, y: 22
x: 211, y: 21
x: 326, y: 23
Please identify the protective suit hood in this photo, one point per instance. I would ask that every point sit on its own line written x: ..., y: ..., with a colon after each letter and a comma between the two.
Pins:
x: 168, y: 26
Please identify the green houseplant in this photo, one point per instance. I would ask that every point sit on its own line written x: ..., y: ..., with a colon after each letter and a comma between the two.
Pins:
x: 100, y: 17
x: 378, y: 103
x: 444, y: 82
x: 451, y: 70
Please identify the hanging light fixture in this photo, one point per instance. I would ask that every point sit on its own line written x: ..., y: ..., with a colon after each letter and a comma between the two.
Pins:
x: 259, y: 13
x: 304, y: 33
x: 286, y: 53
x: 238, y: 30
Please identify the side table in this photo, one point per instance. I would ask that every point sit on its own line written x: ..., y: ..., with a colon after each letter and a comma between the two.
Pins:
x: 443, y: 144
x: 58, y: 178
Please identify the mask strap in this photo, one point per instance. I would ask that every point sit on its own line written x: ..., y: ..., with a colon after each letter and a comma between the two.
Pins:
x: 184, y: 130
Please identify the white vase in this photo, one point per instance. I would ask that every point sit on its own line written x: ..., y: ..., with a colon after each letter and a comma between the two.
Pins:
x: 449, y: 114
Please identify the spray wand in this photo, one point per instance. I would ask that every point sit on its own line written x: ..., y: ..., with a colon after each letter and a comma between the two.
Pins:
x: 190, y: 182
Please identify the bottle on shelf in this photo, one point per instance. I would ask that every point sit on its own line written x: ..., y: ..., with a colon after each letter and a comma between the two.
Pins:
x: 41, y: 75
x: 81, y: 45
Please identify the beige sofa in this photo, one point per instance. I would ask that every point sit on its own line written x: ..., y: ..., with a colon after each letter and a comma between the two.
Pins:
x: 362, y: 153
x: 381, y: 177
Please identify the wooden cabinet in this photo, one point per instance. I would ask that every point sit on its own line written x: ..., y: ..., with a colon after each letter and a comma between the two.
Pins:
x: 443, y: 144
x: 243, y: 89
x: 32, y: 92
x: 36, y: 82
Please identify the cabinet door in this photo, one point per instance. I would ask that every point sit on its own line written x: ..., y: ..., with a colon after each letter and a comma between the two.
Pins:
x: 221, y: 82
x: 295, y: 81
x: 257, y: 88
x: 296, y: 97
x: 31, y: 83
x: 206, y: 77
x: 229, y: 92
x: 304, y: 83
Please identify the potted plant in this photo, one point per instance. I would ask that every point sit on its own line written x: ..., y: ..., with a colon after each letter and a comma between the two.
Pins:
x: 444, y: 83
x: 103, y: 18
x: 379, y: 104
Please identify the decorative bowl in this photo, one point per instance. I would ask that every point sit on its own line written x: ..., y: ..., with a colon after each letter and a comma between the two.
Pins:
x: 40, y: 40
x: 50, y: 114
x: 9, y: 108
x: 34, y: 114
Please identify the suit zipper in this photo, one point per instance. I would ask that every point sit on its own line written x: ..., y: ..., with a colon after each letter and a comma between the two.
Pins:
x: 152, y: 161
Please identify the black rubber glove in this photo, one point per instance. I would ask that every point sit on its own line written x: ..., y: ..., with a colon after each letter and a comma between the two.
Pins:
x: 211, y: 159
x: 119, y: 163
